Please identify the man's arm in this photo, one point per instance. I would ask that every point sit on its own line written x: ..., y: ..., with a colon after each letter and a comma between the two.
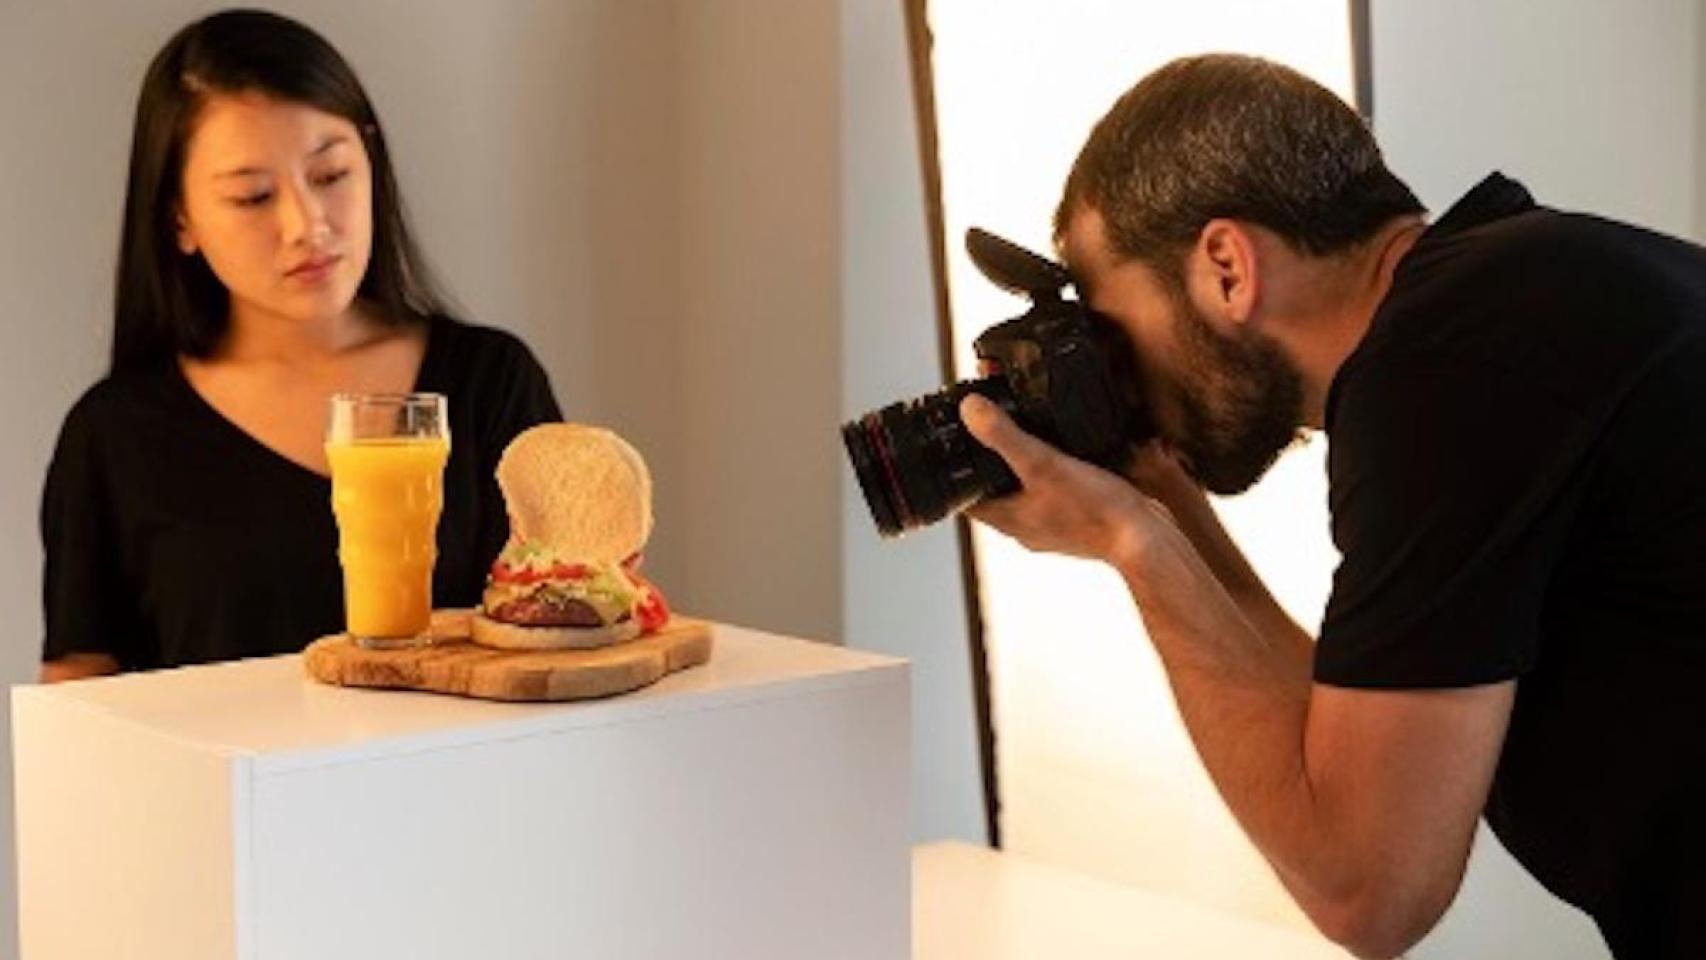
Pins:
x: 1159, y: 475
x: 1364, y: 802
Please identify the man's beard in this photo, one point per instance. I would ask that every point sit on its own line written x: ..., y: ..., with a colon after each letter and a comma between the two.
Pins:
x: 1241, y: 400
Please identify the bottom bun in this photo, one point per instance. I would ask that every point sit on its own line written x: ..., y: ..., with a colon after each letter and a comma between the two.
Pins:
x: 509, y: 636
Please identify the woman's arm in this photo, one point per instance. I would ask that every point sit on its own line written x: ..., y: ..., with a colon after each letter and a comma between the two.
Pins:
x: 88, y: 604
x: 77, y: 666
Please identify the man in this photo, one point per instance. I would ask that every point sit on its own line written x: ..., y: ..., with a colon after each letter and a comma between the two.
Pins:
x: 1515, y: 403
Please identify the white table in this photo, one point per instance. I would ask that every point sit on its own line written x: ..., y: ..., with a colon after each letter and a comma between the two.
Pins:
x: 972, y: 903
x: 755, y: 808
x: 749, y: 809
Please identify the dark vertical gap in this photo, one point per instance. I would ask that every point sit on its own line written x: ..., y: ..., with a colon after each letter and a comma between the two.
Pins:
x: 1362, y: 59
x: 919, y: 43
x: 1700, y: 124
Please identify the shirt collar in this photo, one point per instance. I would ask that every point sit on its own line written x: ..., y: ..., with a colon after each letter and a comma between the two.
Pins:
x: 1494, y: 198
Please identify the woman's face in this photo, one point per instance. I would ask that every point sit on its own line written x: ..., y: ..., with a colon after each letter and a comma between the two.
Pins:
x: 277, y: 197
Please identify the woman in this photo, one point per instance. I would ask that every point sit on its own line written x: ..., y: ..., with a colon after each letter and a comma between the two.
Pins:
x: 264, y: 266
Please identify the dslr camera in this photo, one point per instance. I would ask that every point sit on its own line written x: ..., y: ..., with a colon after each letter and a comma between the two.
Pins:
x: 1063, y: 372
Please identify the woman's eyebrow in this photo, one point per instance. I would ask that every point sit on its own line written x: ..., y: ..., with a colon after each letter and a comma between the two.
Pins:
x: 328, y: 143
x: 331, y: 141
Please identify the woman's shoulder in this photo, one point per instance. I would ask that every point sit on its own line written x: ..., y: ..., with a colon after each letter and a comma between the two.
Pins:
x: 477, y: 338
x: 118, y: 414
x: 473, y: 353
x: 118, y: 400
x: 491, y: 374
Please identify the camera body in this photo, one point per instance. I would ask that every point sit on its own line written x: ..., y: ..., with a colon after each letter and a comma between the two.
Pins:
x: 1064, y: 373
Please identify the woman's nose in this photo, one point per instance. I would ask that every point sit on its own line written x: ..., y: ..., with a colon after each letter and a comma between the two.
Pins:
x: 304, y: 218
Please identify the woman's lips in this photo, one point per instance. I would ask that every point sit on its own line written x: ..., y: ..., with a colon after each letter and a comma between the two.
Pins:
x: 314, y: 269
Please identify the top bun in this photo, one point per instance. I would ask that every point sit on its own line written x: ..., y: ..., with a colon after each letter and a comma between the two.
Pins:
x: 581, y: 491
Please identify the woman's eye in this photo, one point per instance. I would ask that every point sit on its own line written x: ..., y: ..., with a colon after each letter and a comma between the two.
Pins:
x: 333, y: 177
x: 252, y: 200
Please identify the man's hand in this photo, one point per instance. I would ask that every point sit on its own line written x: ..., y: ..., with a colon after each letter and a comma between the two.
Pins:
x: 1067, y: 506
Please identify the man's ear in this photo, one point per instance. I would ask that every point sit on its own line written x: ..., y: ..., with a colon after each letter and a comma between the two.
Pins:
x: 186, y: 236
x: 1225, y: 270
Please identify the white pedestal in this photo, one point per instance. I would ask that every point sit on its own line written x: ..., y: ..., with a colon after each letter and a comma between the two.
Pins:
x: 752, y: 808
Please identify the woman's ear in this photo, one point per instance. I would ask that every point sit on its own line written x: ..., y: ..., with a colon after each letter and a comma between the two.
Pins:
x: 186, y: 236
x: 1227, y: 269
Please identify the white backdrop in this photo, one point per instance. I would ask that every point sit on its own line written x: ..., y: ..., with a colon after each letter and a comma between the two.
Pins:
x: 1096, y: 770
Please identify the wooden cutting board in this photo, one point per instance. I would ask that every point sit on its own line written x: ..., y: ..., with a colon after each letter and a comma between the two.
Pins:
x: 454, y: 664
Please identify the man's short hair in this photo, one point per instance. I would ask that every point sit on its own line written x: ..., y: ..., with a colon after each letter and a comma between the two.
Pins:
x: 1223, y: 135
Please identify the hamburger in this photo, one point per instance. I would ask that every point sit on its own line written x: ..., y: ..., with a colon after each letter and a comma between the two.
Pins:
x: 580, y: 513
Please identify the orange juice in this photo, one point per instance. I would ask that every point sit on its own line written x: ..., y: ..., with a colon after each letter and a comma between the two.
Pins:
x: 387, y: 495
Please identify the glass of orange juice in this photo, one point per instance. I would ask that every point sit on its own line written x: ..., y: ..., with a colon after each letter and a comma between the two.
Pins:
x: 387, y: 453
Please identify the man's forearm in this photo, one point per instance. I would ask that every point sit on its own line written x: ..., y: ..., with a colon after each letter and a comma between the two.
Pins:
x: 1365, y: 819
x: 1242, y: 677
x: 1197, y: 520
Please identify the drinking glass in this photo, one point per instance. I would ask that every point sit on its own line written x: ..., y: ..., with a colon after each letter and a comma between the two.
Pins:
x: 387, y: 453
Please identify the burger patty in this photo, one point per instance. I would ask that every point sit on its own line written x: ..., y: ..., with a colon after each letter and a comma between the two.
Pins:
x: 535, y: 611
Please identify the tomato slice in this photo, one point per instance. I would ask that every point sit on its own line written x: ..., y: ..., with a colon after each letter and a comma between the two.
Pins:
x: 653, y: 612
x: 504, y: 573
x: 569, y: 571
x: 652, y: 609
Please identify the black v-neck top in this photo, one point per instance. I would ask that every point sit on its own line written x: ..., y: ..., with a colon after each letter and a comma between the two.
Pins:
x: 174, y: 537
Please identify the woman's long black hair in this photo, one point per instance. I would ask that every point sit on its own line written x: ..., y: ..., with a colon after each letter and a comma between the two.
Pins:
x: 167, y: 303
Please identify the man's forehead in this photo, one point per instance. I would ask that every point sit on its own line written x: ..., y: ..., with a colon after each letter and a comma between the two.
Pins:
x: 1082, y: 247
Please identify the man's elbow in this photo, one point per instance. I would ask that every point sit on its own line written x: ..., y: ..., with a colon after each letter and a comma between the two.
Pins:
x: 1383, y: 920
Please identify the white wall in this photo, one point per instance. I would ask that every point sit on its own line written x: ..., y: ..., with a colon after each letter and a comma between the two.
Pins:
x: 759, y: 308
x: 1699, y: 87
x: 905, y: 596
x: 538, y: 144
x: 1595, y: 106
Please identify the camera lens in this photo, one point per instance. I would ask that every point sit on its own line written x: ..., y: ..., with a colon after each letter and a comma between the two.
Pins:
x: 916, y: 462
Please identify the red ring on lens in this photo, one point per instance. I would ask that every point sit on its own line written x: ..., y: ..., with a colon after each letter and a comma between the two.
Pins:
x: 873, y: 430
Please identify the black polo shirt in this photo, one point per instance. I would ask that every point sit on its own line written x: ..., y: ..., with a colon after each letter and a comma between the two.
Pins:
x: 1517, y: 463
